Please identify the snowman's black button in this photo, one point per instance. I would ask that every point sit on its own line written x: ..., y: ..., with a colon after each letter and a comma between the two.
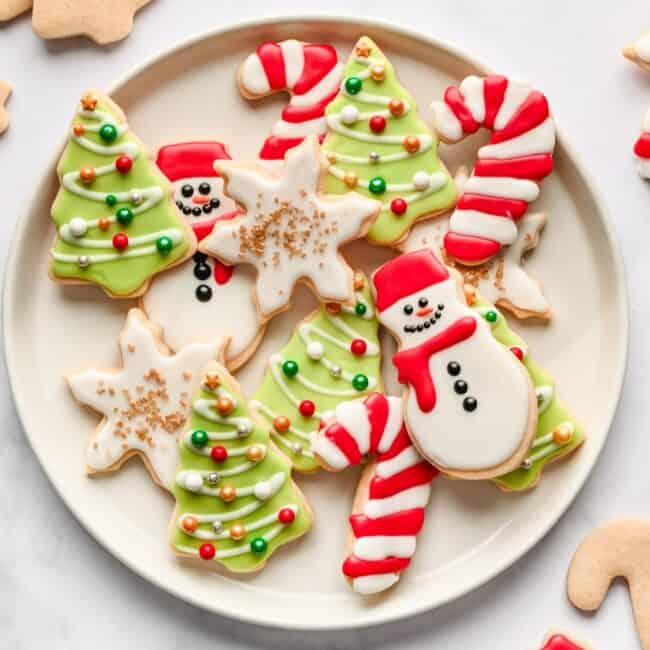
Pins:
x: 203, y: 293
x: 470, y: 404
x: 202, y: 271
x: 453, y: 368
x: 199, y: 257
x: 196, y: 211
x: 187, y: 210
x: 460, y: 386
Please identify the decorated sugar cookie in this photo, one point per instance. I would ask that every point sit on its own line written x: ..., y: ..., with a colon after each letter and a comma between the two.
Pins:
x: 558, y: 433
x: 333, y: 356
x: 502, y: 280
x: 116, y: 223
x: 5, y: 92
x: 561, y: 641
x: 203, y: 298
x: 145, y: 404
x: 290, y: 231
x: 618, y: 549
x: 389, y: 506
x: 310, y: 72
x: 508, y: 169
x: 642, y: 147
x: 101, y: 21
x: 639, y: 51
x: 378, y: 146
x: 235, y: 500
x: 470, y: 406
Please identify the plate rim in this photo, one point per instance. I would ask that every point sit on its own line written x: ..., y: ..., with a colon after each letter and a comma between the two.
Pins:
x: 256, y: 616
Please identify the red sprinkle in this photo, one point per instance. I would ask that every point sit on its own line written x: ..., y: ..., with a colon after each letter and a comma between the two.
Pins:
x: 219, y: 454
x: 206, y: 551
x: 286, y: 515
x: 120, y: 241
x: 358, y: 347
x: 307, y: 408
x: 123, y: 164
x: 398, y: 206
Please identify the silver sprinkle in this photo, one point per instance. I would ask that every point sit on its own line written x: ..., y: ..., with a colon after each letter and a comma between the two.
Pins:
x: 212, y: 478
x: 243, y: 430
x: 84, y: 261
x: 136, y: 197
x: 296, y: 447
x: 527, y: 464
x: 217, y: 526
x: 336, y: 371
x: 374, y: 157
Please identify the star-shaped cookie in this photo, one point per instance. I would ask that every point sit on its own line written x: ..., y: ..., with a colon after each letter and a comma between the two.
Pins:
x: 288, y: 230
x: 145, y: 403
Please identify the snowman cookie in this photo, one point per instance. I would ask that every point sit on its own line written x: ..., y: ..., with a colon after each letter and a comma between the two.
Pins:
x: 469, y: 406
x: 203, y: 298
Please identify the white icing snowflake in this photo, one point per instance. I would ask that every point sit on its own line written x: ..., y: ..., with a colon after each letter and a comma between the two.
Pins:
x: 146, y: 403
x: 289, y: 231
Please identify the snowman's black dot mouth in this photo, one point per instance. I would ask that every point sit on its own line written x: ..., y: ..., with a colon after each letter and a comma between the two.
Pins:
x: 197, y: 210
x: 419, y: 327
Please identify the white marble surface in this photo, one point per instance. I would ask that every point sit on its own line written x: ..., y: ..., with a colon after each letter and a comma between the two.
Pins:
x: 59, y: 589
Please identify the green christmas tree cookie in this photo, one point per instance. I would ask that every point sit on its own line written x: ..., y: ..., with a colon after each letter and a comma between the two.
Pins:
x: 333, y: 356
x: 378, y: 146
x: 235, y: 500
x: 116, y: 223
x: 558, y: 433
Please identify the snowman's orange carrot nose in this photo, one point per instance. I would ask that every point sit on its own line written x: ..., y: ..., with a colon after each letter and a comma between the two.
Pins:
x: 425, y: 311
x: 200, y: 200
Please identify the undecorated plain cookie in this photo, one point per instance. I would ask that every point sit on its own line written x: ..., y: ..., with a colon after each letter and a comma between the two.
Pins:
x: 618, y: 549
x: 104, y: 22
x: 11, y: 8
x: 639, y: 51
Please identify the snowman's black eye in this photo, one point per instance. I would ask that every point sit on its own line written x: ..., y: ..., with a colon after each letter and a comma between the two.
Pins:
x: 423, y: 302
x: 187, y: 191
x: 204, y: 188
x: 408, y: 309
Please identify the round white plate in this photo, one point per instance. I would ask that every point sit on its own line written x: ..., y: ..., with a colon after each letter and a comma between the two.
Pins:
x: 473, y: 531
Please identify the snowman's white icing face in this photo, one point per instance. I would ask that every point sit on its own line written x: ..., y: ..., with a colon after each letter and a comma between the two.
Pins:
x: 423, y: 314
x: 200, y: 199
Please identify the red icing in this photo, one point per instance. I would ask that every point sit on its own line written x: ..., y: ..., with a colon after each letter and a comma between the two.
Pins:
x: 355, y: 567
x: 511, y: 208
x: 469, y: 248
x: 344, y: 441
x: 560, y: 642
x: 642, y: 146
x: 377, y: 407
x: 190, y: 159
x: 274, y: 147
x: 222, y: 272
x: 533, y: 167
x: 419, y: 474
x: 413, y: 364
x: 319, y: 60
x: 401, y: 442
x: 494, y: 90
x: 270, y: 55
x: 297, y: 114
x: 532, y: 112
x: 405, y: 522
x: 455, y: 100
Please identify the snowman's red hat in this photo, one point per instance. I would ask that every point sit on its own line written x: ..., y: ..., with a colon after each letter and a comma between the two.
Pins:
x: 405, y: 275
x: 190, y: 159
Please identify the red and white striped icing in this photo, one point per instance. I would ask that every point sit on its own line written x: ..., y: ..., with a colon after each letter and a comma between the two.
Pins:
x: 642, y: 147
x: 507, y: 171
x: 310, y: 72
x: 385, y: 531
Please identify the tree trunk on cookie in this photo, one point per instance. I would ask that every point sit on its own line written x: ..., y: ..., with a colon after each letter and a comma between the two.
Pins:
x: 378, y: 146
x: 116, y: 224
x: 235, y: 500
x: 333, y: 356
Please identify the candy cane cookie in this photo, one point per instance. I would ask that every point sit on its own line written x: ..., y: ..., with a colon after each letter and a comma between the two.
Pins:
x: 508, y: 169
x: 309, y: 72
x: 388, y: 509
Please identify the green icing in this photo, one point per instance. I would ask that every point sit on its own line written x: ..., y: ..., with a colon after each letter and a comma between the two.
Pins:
x: 273, y: 400
x: 388, y: 227
x: 553, y: 415
x: 123, y: 275
x: 273, y: 463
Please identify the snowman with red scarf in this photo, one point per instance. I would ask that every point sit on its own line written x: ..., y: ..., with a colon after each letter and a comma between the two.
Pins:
x: 203, y: 298
x: 469, y: 405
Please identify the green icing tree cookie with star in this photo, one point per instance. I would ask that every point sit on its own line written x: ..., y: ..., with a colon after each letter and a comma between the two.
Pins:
x: 378, y: 146
x: 558, y: 432
x: 117, y: 225
x: 235, y: 500
x: 333, y: 356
